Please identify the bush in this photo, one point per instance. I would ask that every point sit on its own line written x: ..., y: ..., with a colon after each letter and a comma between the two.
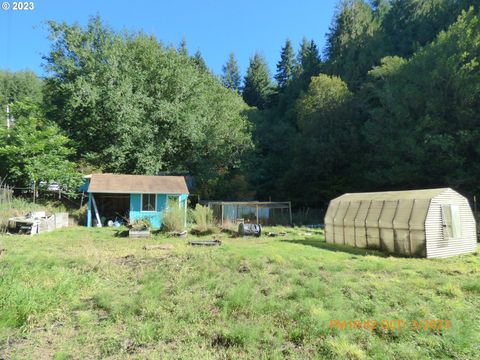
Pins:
x: 203, y: 218
x: 80, y: 215
x: 174, y: 217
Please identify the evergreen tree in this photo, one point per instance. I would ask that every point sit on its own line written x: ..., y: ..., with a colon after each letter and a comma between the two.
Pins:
x: 231, y: 75
x: 411, y: 24
x: 257, y: 83
x: 308, y: 61
x: 182, y: 48
x: 286, y: 66
x: 355, y: 43
x: 199, y: 61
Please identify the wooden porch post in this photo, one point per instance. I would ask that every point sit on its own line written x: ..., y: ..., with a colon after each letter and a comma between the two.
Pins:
x: 89, y: 210
x: 97, y: 215
x: 222, y: 213
x: 290, y: 212
x: 185, y: 215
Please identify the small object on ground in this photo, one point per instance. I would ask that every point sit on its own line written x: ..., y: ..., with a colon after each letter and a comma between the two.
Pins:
x: 307, y: 234
x: 250, y: 230
x: 272, y: 234
x: 180, y: 234
x: 110, y: 223
x: 205, y: 242
x: 159, y: 247
x: 139, y: 233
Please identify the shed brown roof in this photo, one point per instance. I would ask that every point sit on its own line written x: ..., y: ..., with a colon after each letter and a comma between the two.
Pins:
x: 143, y: 184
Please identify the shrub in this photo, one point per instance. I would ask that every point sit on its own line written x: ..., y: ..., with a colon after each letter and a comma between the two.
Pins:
x: 80, y: 215
x: 174, y: 217
x: 202, y: 217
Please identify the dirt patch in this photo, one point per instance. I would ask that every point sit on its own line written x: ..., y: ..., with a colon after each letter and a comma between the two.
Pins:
x: 265, y: 292
x: 132, y: 261
x: 220, y: 340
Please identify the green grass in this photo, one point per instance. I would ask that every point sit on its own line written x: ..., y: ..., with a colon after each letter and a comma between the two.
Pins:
x: 85, y: 293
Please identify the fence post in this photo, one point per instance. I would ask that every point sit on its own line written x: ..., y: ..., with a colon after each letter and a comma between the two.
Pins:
x: 290, y: 212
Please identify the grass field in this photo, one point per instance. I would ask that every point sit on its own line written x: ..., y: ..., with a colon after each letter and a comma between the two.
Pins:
x: 88, y: 294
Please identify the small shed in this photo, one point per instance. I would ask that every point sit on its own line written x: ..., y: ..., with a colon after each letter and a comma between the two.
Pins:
x: 116, y: 196
x: 422, y: 223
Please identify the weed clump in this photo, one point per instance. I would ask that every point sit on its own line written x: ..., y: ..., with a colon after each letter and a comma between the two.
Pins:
x: 203, y: 218
x: 174, y: 217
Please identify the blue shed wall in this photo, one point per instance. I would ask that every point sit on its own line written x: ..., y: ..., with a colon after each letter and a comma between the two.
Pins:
x: 156, y: 217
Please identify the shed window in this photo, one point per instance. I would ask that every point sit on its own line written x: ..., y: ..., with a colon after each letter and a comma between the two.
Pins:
x: 451, y: 221
x: 148, y: 202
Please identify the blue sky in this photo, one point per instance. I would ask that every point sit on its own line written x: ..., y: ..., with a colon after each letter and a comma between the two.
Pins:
x: 215, y: 27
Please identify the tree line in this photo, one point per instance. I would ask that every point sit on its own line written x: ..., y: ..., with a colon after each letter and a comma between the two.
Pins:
x: 390, y: 103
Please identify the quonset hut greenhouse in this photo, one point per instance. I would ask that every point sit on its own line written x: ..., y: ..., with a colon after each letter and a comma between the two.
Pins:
x: 423, y: 223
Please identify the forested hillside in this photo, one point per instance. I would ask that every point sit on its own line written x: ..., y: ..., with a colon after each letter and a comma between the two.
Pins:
x: 391, y: 102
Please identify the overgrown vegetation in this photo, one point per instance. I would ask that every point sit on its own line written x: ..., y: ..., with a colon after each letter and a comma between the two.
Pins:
x: 80, y: 215
x: 203, y: 220
x: 173, y: 217
x: 86, y: 291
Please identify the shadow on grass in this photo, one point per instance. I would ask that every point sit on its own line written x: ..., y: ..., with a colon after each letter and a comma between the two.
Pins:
x: 338, y: 248
x: 121, y: 233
